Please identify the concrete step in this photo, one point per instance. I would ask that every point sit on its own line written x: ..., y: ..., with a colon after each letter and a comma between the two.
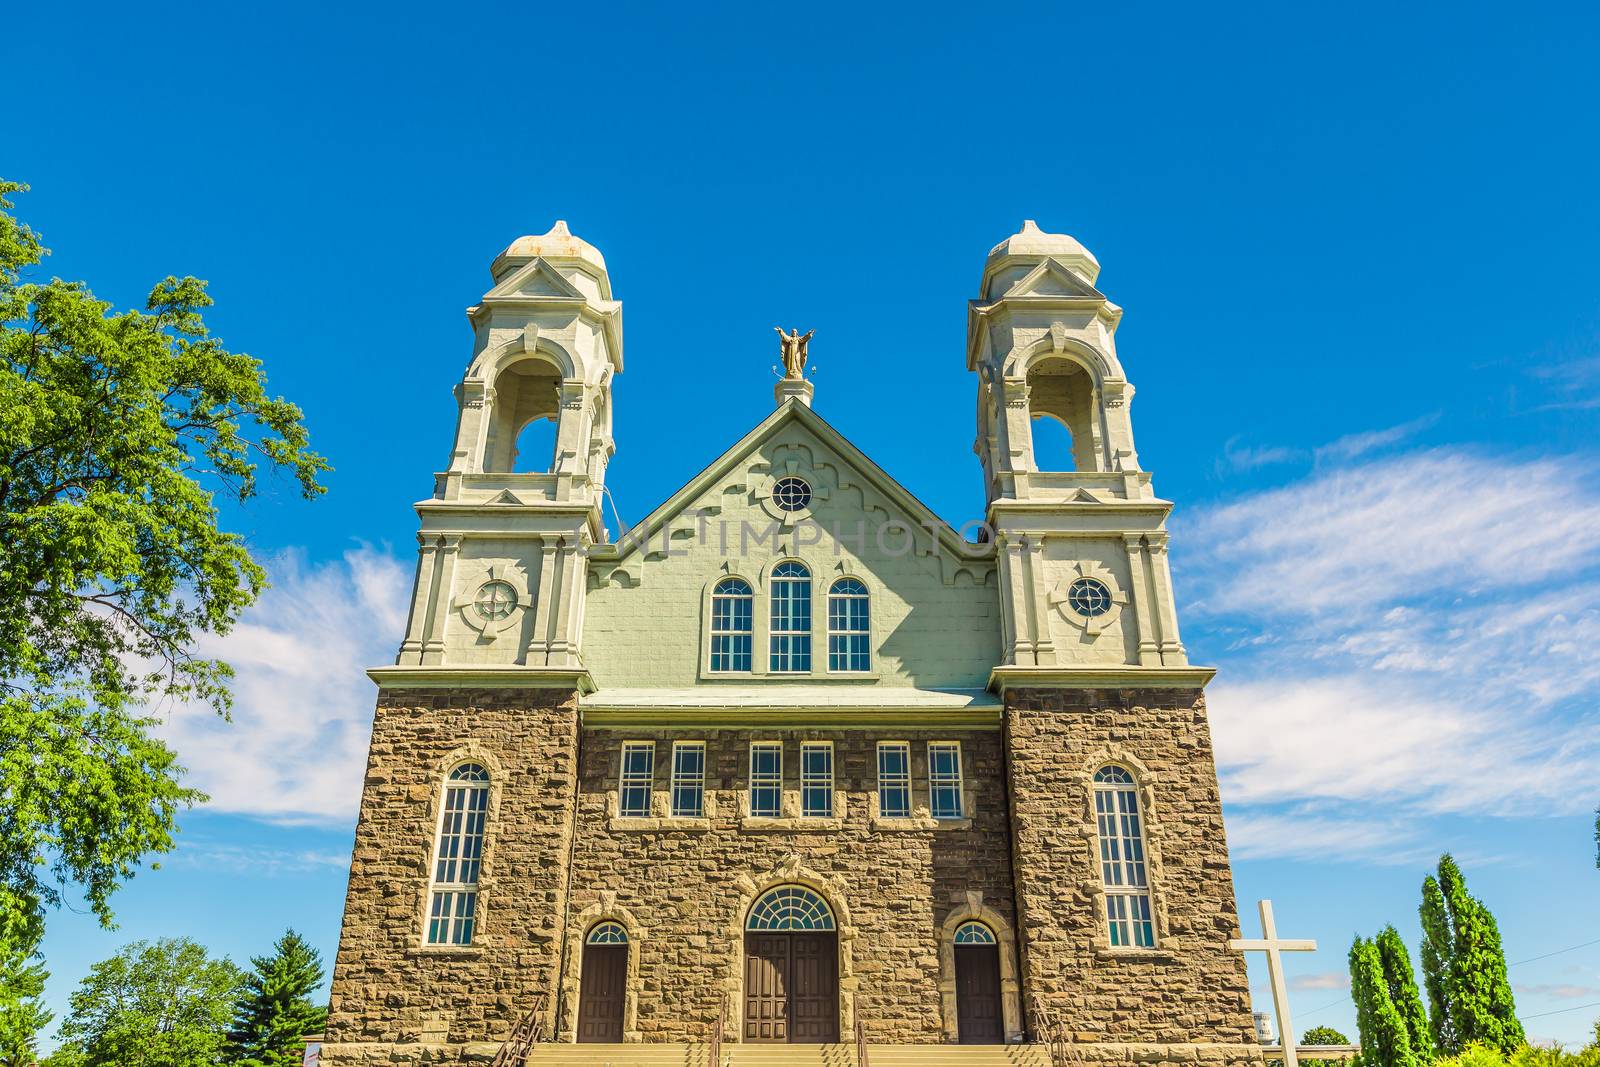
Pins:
x: 649, y: 1054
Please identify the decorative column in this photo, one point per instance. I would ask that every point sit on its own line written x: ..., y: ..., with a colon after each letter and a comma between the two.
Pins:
x: 1172, y: 650
x: 1044, y: 649
x: 1144, y: 599
x: 421, y: 590
x: 443, y: 592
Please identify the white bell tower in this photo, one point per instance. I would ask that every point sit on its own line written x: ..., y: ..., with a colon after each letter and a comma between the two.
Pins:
x: 1081, y: 535
x: 500, y: 575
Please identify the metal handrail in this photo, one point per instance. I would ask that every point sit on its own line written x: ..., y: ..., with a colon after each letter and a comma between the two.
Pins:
x: 716, y: 1035
x: 528, y: 1031
x: 861, y: 1039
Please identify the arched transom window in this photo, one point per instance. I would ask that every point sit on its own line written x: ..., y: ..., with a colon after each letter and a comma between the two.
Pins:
x: 1122, y: 859
x: 791, y: 618
x: 458, y: 856
x: 790, y: 907
x: 607, y: 933
x: 974, y: 933
x: 849, y: 632
x: 732, y: 619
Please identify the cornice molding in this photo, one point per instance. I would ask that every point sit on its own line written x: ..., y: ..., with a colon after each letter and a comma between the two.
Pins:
x: 1003, y: 678
x: 446, y: 677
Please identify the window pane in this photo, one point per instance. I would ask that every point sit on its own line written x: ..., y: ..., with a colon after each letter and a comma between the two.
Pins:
x: 790, y: 640
x: 638, y: 773
x: 766, y: 779
x: 732, y: 615
x: 688, y: 779
x: 848, y: 637
x: 894, y: 781
x: 944, y: 779
x: 1122, y: 859
x: 816, y: 780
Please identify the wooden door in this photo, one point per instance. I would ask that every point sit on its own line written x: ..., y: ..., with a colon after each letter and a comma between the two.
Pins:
x: 813, y: 989
x: 766, y: 987
x: 978, y: 1016
x: 603, y: 987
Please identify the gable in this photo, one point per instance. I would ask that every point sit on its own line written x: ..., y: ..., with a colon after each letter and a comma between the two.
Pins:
x: 1050, y: 278
x: 536, y: 278
x: 933, y: 598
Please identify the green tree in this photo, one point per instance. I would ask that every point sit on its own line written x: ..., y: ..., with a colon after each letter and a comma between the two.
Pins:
x: 1402, y: 984
x: 1323, y: 1035
x: 1385, y: 1040
x: 119, y: 435
x: 1463, y: 958
x: 22, y: 1016
x: 161, y: 1004
x: 276, y: 1010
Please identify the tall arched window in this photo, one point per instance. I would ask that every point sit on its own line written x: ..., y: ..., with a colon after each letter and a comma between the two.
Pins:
x: 1122, y: 860
x: 732, y: 620
x: 849, y: 632
x: 791, y: 618
x: 458, y: 855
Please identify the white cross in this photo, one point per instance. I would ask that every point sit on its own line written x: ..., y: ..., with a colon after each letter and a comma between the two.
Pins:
x: 1273, y: 946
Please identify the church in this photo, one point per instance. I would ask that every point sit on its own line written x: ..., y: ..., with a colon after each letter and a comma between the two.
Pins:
x: 791, y: 771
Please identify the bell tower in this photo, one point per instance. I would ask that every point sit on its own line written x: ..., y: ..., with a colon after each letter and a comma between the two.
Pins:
x: 500, y: 574
x: 1081, y: 535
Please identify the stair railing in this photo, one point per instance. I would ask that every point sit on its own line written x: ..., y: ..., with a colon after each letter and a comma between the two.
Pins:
x: 861, y: 1039
x: 1049, y: 1029
x: 716, y: 1035
x: 528, y: 1031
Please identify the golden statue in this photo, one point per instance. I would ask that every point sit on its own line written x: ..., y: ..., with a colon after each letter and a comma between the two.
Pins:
x: 794, y: 353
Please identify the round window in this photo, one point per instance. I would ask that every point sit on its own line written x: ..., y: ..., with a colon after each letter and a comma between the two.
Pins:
x: 1089, y: 597
x: 791, y: 494
x: 496, y: 600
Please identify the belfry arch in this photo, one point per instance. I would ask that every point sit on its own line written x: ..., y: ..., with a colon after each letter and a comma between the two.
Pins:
x: 524, y: 391
x: 1061, y: 390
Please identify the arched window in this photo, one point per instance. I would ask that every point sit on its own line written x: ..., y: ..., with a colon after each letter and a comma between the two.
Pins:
x: 849, y: 630
x: 458, y: 855
x: 1122, y: 860
x: 732, y: 621
x: 607, y: 933
x: 974, y: 933
x: 1062, y: 401
x: 536, y: 446
x: 791, y: 618
x: 790, y: 907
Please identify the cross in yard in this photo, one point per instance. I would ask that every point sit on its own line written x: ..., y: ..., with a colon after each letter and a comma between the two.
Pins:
x: 1270, y: 943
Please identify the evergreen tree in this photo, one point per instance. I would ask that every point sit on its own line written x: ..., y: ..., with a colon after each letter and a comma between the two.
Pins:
x: 1463, y: 958
x: 1437, y: 950
x: 1385, y: 1041
x: 1402, y: 984
x: 22, y: 1016
x: 275, y: 1009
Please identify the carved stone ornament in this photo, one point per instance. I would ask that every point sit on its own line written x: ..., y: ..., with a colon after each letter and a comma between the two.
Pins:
x: 1070, y: 606
x: 494, y: 602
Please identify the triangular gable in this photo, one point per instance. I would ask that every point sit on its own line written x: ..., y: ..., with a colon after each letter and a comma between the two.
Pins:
x: 647, y: 531
x: 1050, y: 278
x: 537, y: 278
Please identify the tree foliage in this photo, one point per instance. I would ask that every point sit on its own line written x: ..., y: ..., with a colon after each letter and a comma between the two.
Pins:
x: 1385, y: 1039
x: 276, y: 1010
x: 22, y: 1015
x: 1322, y: 1035
x: 161, y: 1004
x: 119, y: 432
x: 1401, y: 981
x: 1465, y: 966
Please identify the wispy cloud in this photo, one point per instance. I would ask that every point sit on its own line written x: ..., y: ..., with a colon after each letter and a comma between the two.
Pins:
x: 296, y: 745
x: 1354, y: 445
x: 1326, y: 980
x: 1558, y: 992
x: 1405, y: 634
x: 263, y: 862
x: 1239, y: 457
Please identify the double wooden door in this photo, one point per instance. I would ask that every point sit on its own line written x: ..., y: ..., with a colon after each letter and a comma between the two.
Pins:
x: 602, y: 992
x: 791, y: 987
x: 978, y: 1016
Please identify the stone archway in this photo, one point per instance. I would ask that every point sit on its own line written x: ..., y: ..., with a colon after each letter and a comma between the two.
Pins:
x: 791, y: 969
x: 971, y: 908
x: 578, y: 929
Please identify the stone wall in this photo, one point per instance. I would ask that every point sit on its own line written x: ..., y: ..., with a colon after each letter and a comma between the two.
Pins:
x: 393, y: 996
x: 1190, y: 987
x: 686, y: 891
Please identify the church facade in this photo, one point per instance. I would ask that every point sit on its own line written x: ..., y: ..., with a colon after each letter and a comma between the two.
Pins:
x: 791, y: 757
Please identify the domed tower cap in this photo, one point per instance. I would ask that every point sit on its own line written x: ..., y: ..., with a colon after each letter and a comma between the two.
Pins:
x: 558, y: 244
x: 1032, y: 243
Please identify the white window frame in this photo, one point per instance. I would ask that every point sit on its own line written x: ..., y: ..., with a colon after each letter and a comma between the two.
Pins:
x: 794, y: 642
x: 810, y: 780
x: 768, y: 780
x: 732, y: 635
x: 633, y: 779
x: 937, y: 781
x: 682, y: 780
x: 463, y: 825
x: 1124, y: 860
x: 900, y: 781
x: 850, y: 636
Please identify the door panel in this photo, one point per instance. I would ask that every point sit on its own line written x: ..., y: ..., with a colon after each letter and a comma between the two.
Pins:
x: 601, y: 992
x: 978, y: 1015
x: 813, y: 989
x: 766, y: 994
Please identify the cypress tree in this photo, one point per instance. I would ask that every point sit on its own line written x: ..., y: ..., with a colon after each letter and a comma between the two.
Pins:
x: 1470, y: 963
x: 1437, y: 950
x: 275, y: 1009
x: 1401, y: 981
x: 1385, y: 1042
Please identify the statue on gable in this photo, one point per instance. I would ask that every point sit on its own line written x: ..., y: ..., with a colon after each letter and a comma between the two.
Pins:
x: 794, y: 352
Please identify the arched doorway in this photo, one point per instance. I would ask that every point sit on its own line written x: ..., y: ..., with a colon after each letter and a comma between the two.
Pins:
x: 979, y: 1017
x: 603, y: 985
x: 791, y: 969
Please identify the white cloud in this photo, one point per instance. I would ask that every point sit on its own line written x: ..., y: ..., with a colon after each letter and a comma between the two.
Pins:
x: 296, y: 746
x: 1558, y: 992
x: 1353, y: 445
x: 265, y: 862
x: 1325, y: 980
x: 1237, y: 457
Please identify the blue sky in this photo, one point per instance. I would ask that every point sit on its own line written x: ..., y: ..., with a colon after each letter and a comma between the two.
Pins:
x: 1355, y: 245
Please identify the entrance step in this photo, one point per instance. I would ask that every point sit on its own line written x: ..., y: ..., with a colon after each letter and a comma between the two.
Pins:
x: 651, y: 1054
